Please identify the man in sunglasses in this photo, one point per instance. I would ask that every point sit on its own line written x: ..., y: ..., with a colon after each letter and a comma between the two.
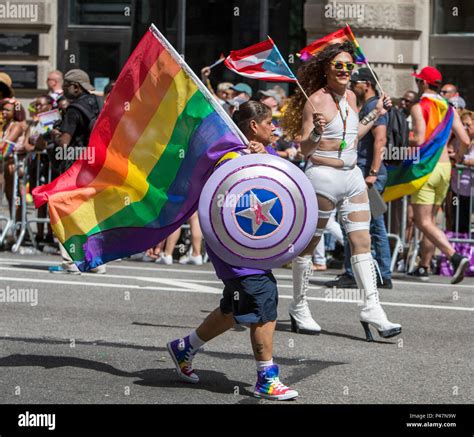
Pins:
x: 451, y: 94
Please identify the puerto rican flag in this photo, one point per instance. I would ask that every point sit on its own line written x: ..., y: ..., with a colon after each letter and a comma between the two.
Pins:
x: 261, y: 61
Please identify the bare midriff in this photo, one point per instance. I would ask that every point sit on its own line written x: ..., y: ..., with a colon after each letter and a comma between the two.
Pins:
x: 329, y: 145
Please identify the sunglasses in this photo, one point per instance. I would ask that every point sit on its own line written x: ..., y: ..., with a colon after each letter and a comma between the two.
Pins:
x: 406, y: 100
x: 339, y: 65
x: 446, y: 91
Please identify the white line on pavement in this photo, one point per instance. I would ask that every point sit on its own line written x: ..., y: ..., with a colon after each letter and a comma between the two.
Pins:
x: 211, y: 290
x: 162, y: 268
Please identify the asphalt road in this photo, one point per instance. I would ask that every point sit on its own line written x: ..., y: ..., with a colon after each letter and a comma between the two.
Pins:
x: 101, y: 339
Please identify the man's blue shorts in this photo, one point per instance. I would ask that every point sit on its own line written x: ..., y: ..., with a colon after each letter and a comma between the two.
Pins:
x: 251, y: 299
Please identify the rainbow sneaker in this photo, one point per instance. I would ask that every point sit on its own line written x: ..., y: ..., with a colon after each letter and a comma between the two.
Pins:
x: 182, y: 353
x: 269, y: 385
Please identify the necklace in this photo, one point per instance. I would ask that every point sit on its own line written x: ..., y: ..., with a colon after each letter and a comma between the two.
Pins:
x: 343, y: 144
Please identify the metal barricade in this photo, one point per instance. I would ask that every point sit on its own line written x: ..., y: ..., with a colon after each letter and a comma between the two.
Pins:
x: 461, y: 170
x: 11, y: 223
x: 33, y: 160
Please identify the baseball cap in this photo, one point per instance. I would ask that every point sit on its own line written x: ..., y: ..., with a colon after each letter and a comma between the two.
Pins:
x: 242, y: 88
x: 430, y: 74
x: 364, y: 75
x: 271, y: 93
x: 80, y: 77
x: 7, y: 80
x: 458, y: 102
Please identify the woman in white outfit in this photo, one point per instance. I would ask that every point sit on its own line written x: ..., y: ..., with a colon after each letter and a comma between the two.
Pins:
x: 329, y: 141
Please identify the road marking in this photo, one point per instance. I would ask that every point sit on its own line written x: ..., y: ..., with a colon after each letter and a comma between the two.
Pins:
x: 211, y: 290
x: 162, y: 268
x: 189, y: 282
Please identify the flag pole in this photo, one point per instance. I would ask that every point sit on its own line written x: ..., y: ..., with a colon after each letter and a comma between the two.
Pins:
x: 210, y: 98
x: 375, y: 77
x: 306, y: 95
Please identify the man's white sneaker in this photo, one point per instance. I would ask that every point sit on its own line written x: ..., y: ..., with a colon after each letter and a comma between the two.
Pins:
x: 189, y: 259
x: 165, y: 259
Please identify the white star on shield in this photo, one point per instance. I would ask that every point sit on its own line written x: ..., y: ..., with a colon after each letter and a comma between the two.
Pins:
x: 259, y: 212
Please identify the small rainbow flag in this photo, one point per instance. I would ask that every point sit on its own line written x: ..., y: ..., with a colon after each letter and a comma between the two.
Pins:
x: 153, y: 146
x: 341, y: 35
x: 411, y: 174
x: 7, y: 148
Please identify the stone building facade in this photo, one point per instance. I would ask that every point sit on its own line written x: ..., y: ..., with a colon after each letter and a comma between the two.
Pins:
x: 28, y: 43
x: 400, y: 36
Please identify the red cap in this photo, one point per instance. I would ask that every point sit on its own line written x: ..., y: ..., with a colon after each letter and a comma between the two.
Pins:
x: 430, y: 74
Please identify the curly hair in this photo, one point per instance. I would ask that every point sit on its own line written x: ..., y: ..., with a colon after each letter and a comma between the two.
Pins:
x: 312, y: 78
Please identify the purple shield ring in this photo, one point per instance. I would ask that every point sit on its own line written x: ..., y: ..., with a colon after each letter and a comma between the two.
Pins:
x: 258, y: 211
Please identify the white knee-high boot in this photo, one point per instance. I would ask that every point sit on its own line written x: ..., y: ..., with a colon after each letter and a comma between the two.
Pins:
x: 372, y: 313
x: 300, y: 315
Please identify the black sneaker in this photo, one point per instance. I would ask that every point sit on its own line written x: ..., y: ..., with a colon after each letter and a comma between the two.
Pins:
x: 387, y: 283
x: 460, y: 264
x: 421, y: 273
x: 342, y: 281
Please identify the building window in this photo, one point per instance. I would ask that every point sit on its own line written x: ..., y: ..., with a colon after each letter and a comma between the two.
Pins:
x: 453, y: 16
x: 100, y: 12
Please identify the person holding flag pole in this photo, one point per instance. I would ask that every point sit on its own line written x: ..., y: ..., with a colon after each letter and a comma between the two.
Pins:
x: 330, y: 145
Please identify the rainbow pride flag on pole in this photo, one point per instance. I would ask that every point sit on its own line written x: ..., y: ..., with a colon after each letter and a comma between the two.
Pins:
x: 341, y: 35
x: 411, y: 174
x: 153, y: 147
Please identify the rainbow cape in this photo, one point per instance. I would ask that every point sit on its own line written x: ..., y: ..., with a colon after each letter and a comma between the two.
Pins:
x: 150, y: 153
x: 411, y: 174
x: 341, y: 35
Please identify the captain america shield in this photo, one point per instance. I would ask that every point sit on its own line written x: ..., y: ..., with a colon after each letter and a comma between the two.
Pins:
x: 258, y: 211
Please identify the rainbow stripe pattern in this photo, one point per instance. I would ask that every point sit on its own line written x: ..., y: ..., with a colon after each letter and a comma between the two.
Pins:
x: 411, y: 174
x: 338, y: 37
x: 154, y: 146
x: 7, y: 148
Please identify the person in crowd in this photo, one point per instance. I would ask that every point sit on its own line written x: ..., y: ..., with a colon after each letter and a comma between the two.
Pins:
x: 271, y: 98
x: 39, y: 164
x: 427, y: 200
x: 224, y: 92
x: 451, y: 94
x: 195, y: 257
x: 73, y: 135
x: 108, y: 89
x: 257, y: 290
x: 54, y: 83
x: 329, y: 140
x: 370, y: 161
x: 13, y: 140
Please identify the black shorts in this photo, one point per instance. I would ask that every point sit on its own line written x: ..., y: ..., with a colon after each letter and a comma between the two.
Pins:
x: 251, y: 299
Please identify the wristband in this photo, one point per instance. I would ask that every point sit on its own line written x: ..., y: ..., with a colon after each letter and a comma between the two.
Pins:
x: 371, y: 116
x: 314, y: 137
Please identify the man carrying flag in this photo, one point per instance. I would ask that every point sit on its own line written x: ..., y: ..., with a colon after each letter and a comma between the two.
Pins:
x: 428, y: 179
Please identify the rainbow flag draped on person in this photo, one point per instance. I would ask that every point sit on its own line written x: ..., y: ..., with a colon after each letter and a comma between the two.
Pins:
x: 341, y: 35
x: 154, y: 146
x: 411, y: 174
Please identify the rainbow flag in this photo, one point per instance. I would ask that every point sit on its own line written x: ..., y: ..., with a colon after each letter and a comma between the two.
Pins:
x: 7, y: 148
x: 341, y: 35
x: 411, y: 174
x: 151, y: 151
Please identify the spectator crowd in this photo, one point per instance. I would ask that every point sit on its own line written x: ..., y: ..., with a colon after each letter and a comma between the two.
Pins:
x: 65, y: 114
